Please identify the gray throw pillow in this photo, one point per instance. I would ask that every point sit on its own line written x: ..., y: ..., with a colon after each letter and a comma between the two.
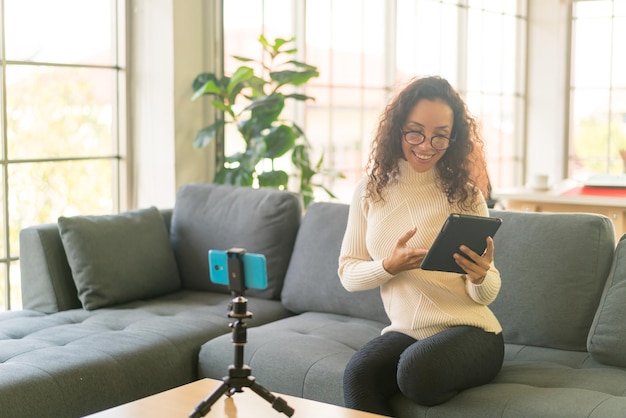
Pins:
x: 119, y: 258
x: 607, y: 337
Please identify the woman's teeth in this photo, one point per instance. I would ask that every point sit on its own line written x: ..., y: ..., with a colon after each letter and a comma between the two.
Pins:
x: 423, y: 156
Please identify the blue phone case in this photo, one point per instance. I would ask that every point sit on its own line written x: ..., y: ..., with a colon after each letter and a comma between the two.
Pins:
x: 254, y: 269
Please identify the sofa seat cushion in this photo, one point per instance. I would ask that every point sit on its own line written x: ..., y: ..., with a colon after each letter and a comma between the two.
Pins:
x: 119, y: 258
x: 303, y: 355
x: 536, y: 382
x: 84, y: 361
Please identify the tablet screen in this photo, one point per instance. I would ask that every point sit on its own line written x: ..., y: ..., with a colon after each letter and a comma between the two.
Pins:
x: 458, y: 229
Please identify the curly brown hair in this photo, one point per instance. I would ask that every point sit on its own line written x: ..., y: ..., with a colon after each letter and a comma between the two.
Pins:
x: 463, y: 161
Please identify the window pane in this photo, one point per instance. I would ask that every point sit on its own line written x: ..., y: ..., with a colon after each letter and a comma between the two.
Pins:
x: 59, y: 111
x: 347, y: 42
x: 3, y: 250
x: 3, y: 286
x: 598, y: 104
x: 374, y: 60
x: 427, y: 35
x: 278, y: 19
x: 618, y: 129
x: 16, y: 289
x: 41, y: 192
x: 590, y: 135
x: 245, y: 30
x: 592, y: 52
x: 60, y: 31
x: 594, y: 8
x: 619, y: 55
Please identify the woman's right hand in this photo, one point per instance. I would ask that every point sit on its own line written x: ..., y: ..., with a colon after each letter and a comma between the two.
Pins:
x: 402, y: 257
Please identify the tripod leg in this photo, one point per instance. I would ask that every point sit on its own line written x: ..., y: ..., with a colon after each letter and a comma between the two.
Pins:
x: 204, y: 407
x: 277, y: 403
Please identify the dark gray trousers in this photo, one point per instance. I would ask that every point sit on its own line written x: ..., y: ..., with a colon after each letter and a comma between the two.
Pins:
x: 429, y: 371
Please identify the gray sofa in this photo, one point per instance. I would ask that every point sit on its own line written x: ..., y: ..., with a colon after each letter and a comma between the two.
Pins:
x: 562, y: 307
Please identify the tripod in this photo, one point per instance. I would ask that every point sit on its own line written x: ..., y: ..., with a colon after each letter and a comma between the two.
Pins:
x: 239, y: 374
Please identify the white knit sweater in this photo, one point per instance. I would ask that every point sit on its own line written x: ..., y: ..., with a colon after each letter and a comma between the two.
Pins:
x: 419, y: 303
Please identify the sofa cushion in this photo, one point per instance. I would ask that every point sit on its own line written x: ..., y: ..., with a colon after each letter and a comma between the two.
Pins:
x: 119, y: 258
x: 553, y: 268
x: 77, y: 362
x: 312, y: 282
x: 608, y: 333
x: 220, y: 217
x: 535, y: 382
x: 303, y: 355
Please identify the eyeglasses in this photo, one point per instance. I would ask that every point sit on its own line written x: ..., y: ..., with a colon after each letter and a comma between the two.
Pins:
x: 438, y: 142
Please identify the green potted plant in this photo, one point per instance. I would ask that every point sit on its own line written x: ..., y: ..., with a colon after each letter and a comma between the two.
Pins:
x: 254, y: 104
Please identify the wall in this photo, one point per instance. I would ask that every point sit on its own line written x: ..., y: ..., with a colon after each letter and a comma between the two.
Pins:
x: 170, y: 43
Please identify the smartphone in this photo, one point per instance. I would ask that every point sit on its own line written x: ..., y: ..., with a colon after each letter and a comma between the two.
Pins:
x: 254, y: 268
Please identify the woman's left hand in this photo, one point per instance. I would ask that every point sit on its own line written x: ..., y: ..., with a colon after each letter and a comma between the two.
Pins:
x: 477, y: 269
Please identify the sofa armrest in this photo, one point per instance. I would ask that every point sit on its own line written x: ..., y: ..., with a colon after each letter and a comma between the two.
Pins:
x: 47, y: 283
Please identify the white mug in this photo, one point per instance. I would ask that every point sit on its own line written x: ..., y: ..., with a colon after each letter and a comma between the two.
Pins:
x: 539, y: 182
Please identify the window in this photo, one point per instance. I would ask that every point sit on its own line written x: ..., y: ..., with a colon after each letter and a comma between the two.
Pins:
x: 365, y: 48
x: 63, y: 124
x: 597, y: 88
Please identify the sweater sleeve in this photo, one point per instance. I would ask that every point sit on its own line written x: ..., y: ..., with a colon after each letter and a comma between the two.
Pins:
x: 486, y: 292
x: 357, y: 270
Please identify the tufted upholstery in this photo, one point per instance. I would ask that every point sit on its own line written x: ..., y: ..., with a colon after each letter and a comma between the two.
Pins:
x: 83, y: 361
x: 318, y: 344
x: 537, y: 382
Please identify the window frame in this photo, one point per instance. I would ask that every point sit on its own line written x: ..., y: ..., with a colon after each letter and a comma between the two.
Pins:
x: 10, y: 297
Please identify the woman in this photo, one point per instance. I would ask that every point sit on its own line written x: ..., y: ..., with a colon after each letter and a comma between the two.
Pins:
x: 442, y: 338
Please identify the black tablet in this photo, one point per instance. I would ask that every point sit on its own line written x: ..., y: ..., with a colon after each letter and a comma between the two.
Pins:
x: 458, y: 229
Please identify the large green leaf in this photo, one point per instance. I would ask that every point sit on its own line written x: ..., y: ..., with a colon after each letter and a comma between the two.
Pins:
x: 303, y: 65
x: 296, y: 78
x: 241, y: 75
x: 279, y: 141
x: 263, y: 113
x: 297, y: 96
x: 235, y: 176
x: 223, y: 107
x: 272, y: 104
x: 210, y: 87
x: 254, y: 153
x: 263, y: 41
x: 257, y: 85
x: 201, y: 79
x: 207, y: 135
x: 242, y: 59
x: 276, y: 179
